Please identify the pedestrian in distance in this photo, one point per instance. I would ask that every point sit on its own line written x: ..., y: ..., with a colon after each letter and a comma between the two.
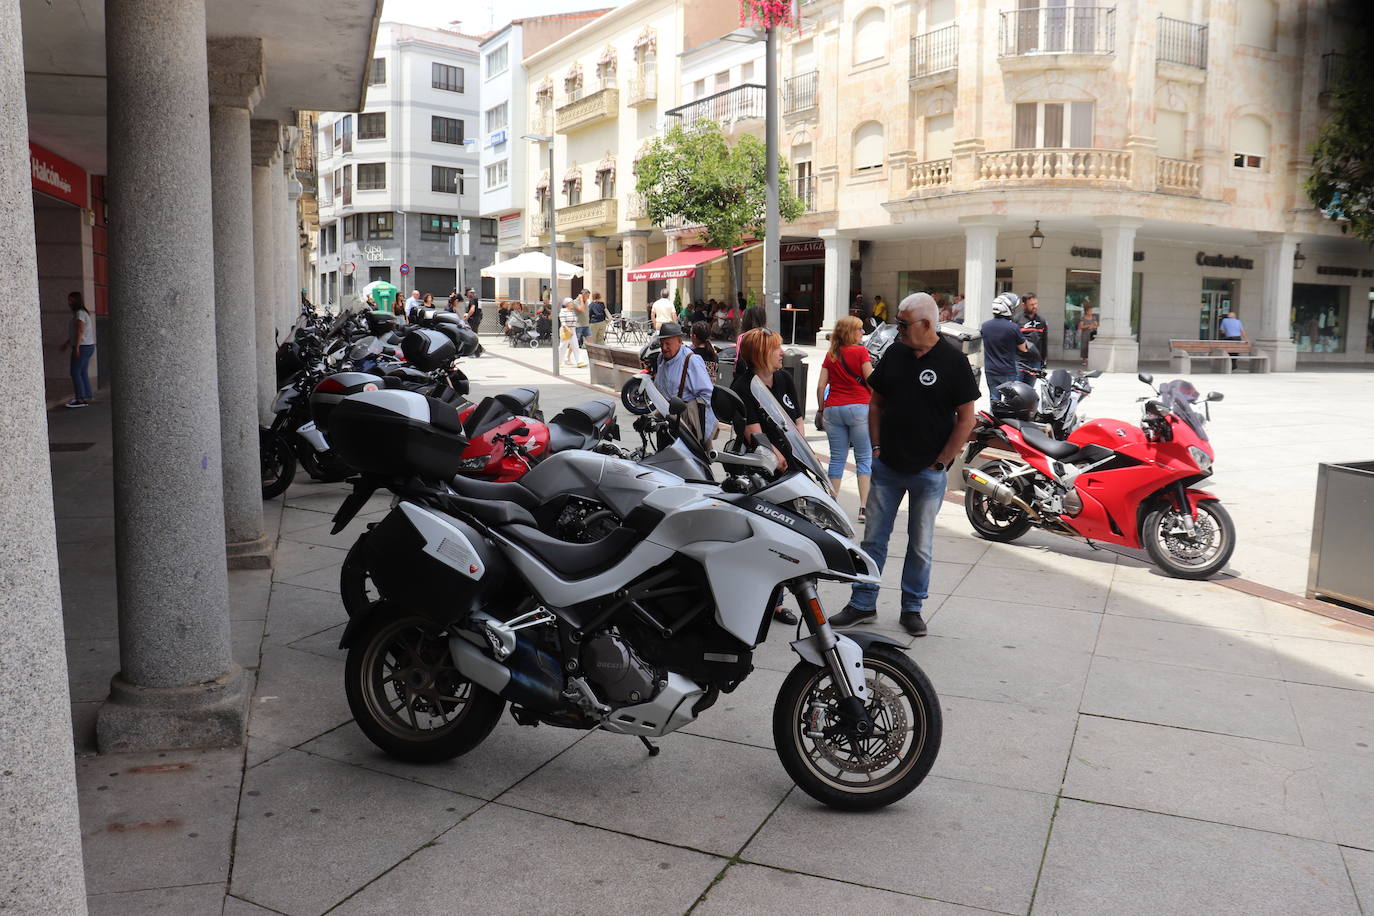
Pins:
x: 581, y: 307
x: 682, y: 373
x: 1087, y: 330
x: 1003, y: 345
x: 597, y: 315
x: 413, y: 302
x: 81, y: 342
x: 1034, y: 331
x: 568, y: 348
x: 473, y: 313
x: 842, y: 393
x: 956, y: 309
x: 1232, y: 329
x: 662, y: 311
x: 919, y: 419
x: 426, y: 303
x: 702, y: 346
x: 880, y: 309
x: 755, y: 316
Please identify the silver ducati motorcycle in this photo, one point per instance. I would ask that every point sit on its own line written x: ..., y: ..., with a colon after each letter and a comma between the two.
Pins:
x: 472, y: 601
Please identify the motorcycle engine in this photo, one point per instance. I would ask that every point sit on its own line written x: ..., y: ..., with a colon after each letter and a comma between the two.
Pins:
x: 584, y: 521
x: 621, y: 676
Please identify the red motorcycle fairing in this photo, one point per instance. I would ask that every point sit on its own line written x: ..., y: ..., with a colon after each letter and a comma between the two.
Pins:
x: 500, y: 466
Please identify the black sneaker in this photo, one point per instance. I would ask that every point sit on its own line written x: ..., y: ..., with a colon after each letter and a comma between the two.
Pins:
x: 852, y: 616
x: 783, y: 615
x: 911, y: 622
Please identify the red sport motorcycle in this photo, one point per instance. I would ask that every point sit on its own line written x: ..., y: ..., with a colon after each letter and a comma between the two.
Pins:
x: 1109, y: 481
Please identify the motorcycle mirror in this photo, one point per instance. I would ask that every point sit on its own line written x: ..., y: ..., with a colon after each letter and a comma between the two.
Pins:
x: 1215, y: 395
x: 727, y: 405
x: 1147, y: 378
x: 676, y: 406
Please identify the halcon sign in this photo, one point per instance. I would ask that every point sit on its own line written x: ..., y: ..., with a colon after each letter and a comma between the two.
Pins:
x: 57, y: 177
x: 1221, y: 260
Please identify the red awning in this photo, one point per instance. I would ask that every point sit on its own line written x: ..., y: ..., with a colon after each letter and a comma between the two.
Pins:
x: 678, y: 265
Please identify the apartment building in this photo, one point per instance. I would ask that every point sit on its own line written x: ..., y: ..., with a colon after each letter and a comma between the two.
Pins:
x: 1142, y: 158
x: 398, y: 179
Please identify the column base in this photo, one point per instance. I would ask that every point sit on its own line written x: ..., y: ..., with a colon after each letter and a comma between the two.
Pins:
x: 1114, y: 354
x: 254, y: 554
x: 213, y: 714
x: 1283, y: 354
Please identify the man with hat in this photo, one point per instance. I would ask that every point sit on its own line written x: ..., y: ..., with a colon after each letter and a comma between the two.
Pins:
x: 682, y: 374
x: 1002, y: 341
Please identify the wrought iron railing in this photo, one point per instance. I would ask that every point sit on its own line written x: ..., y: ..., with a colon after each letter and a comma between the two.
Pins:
x: 1182, y: 42
x: 935, y: 52
x: 738, y: 104
x: 799, y: 93
x: 1058, y: 30
x: 805, y: 189
x: 1334, y: 64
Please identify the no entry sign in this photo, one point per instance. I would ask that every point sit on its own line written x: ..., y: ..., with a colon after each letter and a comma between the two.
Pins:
x: 405, y: 269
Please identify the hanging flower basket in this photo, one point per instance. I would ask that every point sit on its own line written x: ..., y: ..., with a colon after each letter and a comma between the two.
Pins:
x: 765, y: 14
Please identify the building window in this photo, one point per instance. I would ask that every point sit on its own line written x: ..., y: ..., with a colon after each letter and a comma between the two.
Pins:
x: 868, y: 147
x: 572, y: 189
x: 445, y: 180
x: 343, y: 134
x: 377, y: 75
x: 446, y: 130
x: 939, y: 133
x: 498, y: 175
x: 371, y: 176
x: 372, y: 126
x: 436, y: 227
x: 605, y: 182
x: 605, y: 73
x: 1171, y: 131
x: 497, y: 118
x: 746, y: 71
x: 497, y: 61
x: 350, y: 229
x: 1257, y: 23
x: 1047, y: 125
x: 447, y: 78
x: 1319, y: 317
x: 870, y: 35
x: 348, y: 185
x: 487, y: 228
x: 380, y: 226
x: 1250, y: 142
x: 699, y: 89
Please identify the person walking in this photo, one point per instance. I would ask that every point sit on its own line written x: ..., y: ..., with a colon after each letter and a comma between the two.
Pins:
x: 597, y: 315
x: 81, y: 342
x: 662, y: 311
x: 919, y: 419
x: 1232, y: 329
x: 682, y: 373
x: 583, y: 326
x: 473, y: 314
x: 1002, y: 345
x: 426, y: 303
x: 880, y: 309
x: 569, y: 349
x: 413, y: 302
x: 1087, y: 330
x: 1034, y: 331
x: 842, y: 392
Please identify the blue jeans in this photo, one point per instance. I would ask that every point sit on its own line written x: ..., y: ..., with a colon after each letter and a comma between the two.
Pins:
x: 81, y: 364
x: 927, y: 490
x: 583, y: 331
x: 846, y: 426
x: 995, y: 379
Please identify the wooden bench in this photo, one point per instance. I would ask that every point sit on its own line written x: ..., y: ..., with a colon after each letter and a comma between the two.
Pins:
x: 612, y: 366
x: 1220, y: 353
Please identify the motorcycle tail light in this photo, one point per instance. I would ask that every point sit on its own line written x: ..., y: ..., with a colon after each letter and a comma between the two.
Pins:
x: 330, y: 385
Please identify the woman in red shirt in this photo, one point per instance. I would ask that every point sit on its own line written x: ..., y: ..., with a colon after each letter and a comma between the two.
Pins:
x: 845, y: 406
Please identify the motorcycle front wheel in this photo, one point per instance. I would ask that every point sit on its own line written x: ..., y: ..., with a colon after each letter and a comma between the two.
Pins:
x: 854, y: 773
x: 278, y: 463
x: 408, y: 697
x: 992, y: 520
x: 1197, y: 555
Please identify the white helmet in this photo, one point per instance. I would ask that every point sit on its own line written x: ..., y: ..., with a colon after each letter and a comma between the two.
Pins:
x: 1002, y: 306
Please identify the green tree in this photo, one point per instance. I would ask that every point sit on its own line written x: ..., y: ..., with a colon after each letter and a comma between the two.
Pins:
x: 695, y: 175
x: 1342, y: 179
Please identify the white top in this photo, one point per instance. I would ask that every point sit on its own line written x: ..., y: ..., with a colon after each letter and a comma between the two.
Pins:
x: 664, y: 311
x: 87, y: 328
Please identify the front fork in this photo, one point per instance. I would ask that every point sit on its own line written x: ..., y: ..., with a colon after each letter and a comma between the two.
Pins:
x: 826, y: 649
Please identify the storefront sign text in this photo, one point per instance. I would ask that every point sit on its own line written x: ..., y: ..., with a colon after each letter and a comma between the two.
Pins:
x: 1080, y: 252
x: 375, y: 253
x: 1221, y: 260
x: 802, y: 251
x: 57, y: 177
x: 1345, y: 271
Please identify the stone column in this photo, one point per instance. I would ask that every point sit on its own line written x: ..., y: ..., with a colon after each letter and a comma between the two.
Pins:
x: 672, y: 244
x: 178, y: 685
x: 594, y: 264
x: 1275, y: 325
x: 634, y: 297
x: 40, y: 833
x: 288, y: 239
x: 839, y: 252
x: 236, y: 74
x: 980, y: 266
x: 565, y: 253
x: 1115, y: 348
x: 265, y: 167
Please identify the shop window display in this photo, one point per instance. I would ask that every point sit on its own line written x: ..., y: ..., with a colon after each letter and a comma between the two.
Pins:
x: 1369, y: 333
x: 1084, y: 287
x: 1319, y: 317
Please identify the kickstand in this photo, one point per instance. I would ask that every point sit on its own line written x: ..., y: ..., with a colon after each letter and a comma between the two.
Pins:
x: 652, y: 748
x: 1091, y: 544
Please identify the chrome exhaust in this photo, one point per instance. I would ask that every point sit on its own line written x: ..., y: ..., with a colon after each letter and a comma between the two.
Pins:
x: 995, y: 490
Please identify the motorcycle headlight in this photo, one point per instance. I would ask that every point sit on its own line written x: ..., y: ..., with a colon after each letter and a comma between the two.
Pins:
x: 821, y: 515
x: 1203, y: 459
x: 472, y: 464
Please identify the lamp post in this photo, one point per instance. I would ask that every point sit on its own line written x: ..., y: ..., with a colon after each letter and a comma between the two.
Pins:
x: 553, y: 249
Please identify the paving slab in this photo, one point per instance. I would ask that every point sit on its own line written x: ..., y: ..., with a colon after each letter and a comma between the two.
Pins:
x: 299, y: 696
x: 745, y: 716
x: 157, y: 819
x: 91, y: 662
x: 1211, y: 701
x: 699, y: 792
x: 84, y: 716
x: 502, y: 860
x: 1134, y: 863
x: 234, y: 906
x: 1077, y: 591
x: 312, y: 831
x: 248, y: 591
x: 296, y: 613
x: 1007, y: 672
x: 1282, y: 620
x: 1360, y: 864
x: 763, y: 891
x: 325, y: 643
x: 1232, y: 651
x: 1328, y: 663
x: 1004, y: 744
x: 955, y: 841
x: 1002, y: 621
x: 1349, y: 793
x: 294, y: 560
x: 196, y: 900
x: 1177, y: 601
x: 1045, y: 552
x: 1237, y: 781
x: 1332, y: 719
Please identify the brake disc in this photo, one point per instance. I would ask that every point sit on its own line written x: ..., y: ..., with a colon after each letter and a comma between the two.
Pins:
x: 872, y: 752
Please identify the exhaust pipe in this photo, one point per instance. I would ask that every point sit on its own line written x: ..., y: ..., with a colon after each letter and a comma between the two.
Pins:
x: 534, y: 678
x: 995, y: 490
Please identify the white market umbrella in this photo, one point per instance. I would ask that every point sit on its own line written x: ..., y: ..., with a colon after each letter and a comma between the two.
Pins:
x: 532, y: 265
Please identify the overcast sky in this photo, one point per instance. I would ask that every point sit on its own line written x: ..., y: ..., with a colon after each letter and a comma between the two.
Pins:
x: 478, y: 16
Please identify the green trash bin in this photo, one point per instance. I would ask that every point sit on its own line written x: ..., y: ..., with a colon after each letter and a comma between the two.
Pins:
x: 384, y: 294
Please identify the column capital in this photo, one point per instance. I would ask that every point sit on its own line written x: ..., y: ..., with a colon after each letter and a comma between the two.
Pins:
x: 833, y: 234
x: 237, y: 71
x: 632, y: 234
x: 1279, y: 238
x: 1118, y: 222
x: 986, y: 220
x: 266, y: 142
x: 593, y: 239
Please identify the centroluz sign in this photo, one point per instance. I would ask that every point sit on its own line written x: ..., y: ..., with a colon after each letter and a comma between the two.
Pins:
x: 57, y: 177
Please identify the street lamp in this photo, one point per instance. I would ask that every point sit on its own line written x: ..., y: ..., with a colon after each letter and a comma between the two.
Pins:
x: 1299, y: 258
x: 1037, y: 238
x: 553, y: 246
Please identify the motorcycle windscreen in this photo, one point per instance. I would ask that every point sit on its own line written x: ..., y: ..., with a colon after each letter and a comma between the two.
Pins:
x: 801, y: 449
x: 650, y: 391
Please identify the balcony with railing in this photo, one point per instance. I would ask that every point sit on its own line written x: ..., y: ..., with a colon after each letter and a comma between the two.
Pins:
x: 932, y: 175
x: 643, y: 87
x: 541, y: 121
x: 587, y: 216
x: 935, y: 54
x: 805, y: 189
x: 1095, y: 167
x: 635, y: 206
x: 1178, y: 176
x: 1075, y: 35
x: 742, y: 103
x: 602, y: 105
x: 1181, y: 42
x: 799, y: 93
x: 539, y: 221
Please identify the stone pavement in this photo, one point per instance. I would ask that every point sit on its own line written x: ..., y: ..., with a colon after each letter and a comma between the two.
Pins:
x: 1114, y: 740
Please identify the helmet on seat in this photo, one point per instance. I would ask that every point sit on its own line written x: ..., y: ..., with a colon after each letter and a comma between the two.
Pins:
x: 1018, y: 401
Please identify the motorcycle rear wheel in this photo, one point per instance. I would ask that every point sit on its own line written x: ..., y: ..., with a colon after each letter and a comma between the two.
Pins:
x: 989, y: 519
x: 1179, y: 554
x: 407, y: 696
x: 278, y: 463
x: 859, y: 774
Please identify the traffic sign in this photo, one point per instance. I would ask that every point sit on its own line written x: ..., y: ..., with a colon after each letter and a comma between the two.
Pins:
x: 405, y: 269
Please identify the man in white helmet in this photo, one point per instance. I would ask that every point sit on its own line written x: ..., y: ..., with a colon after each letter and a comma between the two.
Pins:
x: 1002, y: 341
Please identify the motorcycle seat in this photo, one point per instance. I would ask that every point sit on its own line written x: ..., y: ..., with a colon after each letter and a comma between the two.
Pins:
x: 569, y: 560
x: 564, y: 439
x: 1055, y: 448
x: 587, y: 417
x: 490, y: 512
x: 519, y: 400
x: 496, y: 492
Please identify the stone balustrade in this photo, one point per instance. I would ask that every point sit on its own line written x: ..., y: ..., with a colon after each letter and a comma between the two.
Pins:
x: 1054, y: 166
x: 1178, y: 176
x: 590, y: 109
x: 936, y: 173
x: 591, y: 215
